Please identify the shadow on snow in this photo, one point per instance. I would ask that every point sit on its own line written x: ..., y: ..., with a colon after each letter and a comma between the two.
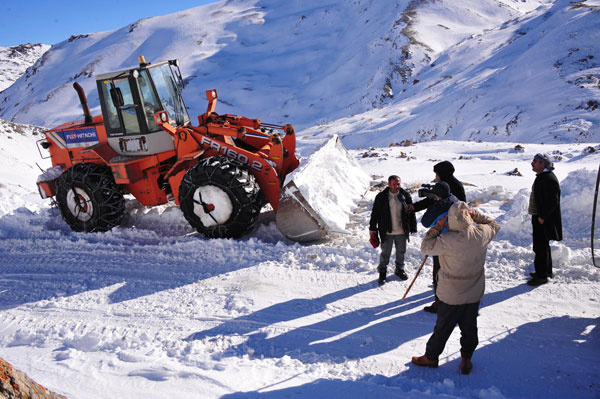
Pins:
x: 553, y: 358
x: 354, y: 335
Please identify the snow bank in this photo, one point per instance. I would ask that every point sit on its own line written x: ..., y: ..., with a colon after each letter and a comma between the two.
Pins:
x: 516, y: 222
x: 332, y: 182
x: 577, y: 197
x: 577, y: 201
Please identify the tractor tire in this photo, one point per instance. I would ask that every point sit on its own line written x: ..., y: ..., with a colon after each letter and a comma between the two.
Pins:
x: 220, y: 198
x: 89, y: 199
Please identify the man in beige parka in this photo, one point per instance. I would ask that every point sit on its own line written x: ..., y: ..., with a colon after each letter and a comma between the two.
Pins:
x: 461, y: 279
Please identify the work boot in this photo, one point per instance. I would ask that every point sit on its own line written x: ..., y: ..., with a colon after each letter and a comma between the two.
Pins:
x: 534, y: 275
x: 432, y: 308
x: 536, y: 281
x: 401, y: 274
x: 465, y: 365
x: 382, y: 278
x: 424, y: 361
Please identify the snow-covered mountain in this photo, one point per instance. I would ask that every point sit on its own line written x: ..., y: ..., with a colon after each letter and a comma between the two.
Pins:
x: 151, y: 309
x: 376, y: 72
x: 15, y: 60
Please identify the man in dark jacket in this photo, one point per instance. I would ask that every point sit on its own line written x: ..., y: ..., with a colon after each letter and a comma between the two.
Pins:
x: 444, y: 172
x: 544, y: 208
x: 390, y: 225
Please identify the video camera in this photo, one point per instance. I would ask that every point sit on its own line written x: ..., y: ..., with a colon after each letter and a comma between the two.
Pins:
x: 426, y: 191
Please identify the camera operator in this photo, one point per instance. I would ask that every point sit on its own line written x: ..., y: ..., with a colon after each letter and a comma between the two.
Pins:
x: 444, y: 173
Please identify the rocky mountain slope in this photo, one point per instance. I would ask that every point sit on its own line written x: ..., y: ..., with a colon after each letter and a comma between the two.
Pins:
x: 500, y: 70
x: 15, y: 60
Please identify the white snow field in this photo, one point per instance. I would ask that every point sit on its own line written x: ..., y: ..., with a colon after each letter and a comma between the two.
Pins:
x: 151, y: 309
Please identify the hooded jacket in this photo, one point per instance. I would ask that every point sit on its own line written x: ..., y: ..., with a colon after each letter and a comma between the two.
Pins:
x: 445, y: 170
x: 461, y: 251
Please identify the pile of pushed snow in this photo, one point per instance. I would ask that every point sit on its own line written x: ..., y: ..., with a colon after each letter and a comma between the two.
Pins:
x: 577, y: 198
x: 487, y: 194
x: 577, y: 202
x: 332, y: 182
x: 20, y: 157
x: 516, y: 222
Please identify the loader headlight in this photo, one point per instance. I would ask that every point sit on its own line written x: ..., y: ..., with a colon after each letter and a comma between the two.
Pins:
x: 135, y: 73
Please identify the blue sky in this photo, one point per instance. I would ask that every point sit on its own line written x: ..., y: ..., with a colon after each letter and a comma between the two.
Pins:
x: 52, y: 21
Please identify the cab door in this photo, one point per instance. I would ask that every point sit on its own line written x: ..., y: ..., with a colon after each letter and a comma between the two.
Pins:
x: 128, y: 105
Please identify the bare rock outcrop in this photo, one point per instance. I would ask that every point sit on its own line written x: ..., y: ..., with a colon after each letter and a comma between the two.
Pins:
x: 15, y: 384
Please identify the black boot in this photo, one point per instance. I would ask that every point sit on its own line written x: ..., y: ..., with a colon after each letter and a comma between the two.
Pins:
x: 401, y: 274
x: 382, y: 277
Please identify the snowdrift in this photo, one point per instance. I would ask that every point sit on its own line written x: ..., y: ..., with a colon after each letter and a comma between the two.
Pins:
x: 577, y: 197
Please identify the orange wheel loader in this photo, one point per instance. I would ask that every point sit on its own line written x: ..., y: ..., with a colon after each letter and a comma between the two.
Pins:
x: 220, y: 173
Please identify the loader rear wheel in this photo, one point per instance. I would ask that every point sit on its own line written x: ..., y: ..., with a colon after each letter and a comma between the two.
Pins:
x: 220, y: 198
x: 89, y: 199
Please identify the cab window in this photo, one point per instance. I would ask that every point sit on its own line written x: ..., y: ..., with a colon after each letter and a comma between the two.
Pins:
x: 150, y: 102
x: 127, y: 111
x: 169, y: 94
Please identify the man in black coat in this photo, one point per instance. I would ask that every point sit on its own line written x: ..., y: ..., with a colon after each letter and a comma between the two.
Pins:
x: 390, y: 224
x: 544, y: 208
x: 444, y: 172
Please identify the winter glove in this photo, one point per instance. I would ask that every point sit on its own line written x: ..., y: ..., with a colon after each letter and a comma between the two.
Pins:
x: 374, y: 240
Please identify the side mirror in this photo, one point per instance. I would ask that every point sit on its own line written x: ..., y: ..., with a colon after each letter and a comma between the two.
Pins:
x: 117, y: 97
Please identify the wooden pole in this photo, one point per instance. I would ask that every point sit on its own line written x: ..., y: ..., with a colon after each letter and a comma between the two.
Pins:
x: 414, y: 278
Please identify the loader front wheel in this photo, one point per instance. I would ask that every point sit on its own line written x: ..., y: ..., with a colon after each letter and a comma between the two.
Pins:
x: 89, y: 199
x: 220, y: 198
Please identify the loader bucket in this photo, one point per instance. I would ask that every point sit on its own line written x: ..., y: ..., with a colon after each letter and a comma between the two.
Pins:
x: 296, y: 219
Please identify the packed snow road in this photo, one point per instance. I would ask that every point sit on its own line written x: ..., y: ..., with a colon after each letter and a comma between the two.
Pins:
x: 153, y: 310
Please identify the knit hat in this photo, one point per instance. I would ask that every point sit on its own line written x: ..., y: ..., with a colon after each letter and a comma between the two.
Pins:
x: 441, y: 189
x: 545, y: 158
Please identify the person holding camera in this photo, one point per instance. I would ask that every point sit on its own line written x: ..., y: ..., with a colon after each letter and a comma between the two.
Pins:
x: 461, y: 285
x: 437, y: 201
x: 390, y: 225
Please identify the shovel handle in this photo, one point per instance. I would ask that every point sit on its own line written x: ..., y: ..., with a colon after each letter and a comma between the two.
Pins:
x: 414, y: 278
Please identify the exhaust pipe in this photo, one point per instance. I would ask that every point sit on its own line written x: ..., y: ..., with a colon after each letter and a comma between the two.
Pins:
x: 84, y: 103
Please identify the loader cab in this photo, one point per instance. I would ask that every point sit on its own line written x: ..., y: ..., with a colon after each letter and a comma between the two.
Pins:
x: 129, y: 100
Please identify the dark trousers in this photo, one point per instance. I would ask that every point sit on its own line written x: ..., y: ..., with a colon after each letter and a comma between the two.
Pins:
x: 398, y: 240
x: 436, y: 269
x: 541, y: 248
x: 448, y: 316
